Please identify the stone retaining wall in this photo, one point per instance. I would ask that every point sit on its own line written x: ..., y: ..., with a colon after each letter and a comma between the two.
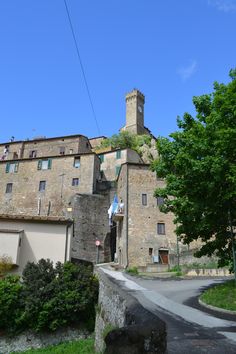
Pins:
x: 29, y: 340
x: 123, y: 326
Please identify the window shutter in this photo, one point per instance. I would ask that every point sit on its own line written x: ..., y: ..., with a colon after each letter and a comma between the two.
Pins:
x: 16, y: 167
x: 49, y: 164
x: 7, y: 167
x: 39, y: 164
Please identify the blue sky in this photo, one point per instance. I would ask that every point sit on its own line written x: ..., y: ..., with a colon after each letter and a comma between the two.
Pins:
x: 170, y: 50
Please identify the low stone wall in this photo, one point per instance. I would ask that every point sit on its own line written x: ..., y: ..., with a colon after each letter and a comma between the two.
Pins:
x: 29, y: 340
x: 221, y: 272
x: 123, y: 326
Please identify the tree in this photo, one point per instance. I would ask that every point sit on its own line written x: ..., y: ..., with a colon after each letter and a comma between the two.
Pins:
x: 198, y: 163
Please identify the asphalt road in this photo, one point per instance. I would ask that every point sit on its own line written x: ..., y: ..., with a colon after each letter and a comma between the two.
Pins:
x: 191, y: 329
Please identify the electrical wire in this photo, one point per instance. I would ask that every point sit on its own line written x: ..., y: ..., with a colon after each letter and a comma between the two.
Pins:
x: 82, y: 67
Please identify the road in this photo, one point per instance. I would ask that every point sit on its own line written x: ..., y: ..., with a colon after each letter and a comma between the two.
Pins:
x: 191, y: 329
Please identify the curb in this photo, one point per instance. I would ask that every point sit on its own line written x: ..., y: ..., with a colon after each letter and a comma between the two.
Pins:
x: 218, y: 309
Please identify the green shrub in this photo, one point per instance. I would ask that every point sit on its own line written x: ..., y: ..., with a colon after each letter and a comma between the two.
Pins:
x: 55, y: 297
x: 48, y: 297
x: 176, y: 268
x: 11, y: 306
x: 132, y: 271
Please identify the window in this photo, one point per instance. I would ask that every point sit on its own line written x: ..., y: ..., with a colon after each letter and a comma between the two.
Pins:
x: 33, y: 153
x: 42, y: 186
x: 12, y: 167
x: 118, y: 154
x: 45, y: 164
x: 161, y: 228
x: 62, y: 150
x: 9, y: 187
x: 75, y: 181
x: 117, y: 170
x: 77, y: 162
x: 150, y: 251
x: 6, y: 149
x: 101, y: 157
x: 71, y: 151
x: 160, y: 201
x: 15, y: 155
x: 144, y: 199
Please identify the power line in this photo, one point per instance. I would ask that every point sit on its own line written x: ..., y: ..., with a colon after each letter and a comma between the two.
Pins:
x: 82, y: 68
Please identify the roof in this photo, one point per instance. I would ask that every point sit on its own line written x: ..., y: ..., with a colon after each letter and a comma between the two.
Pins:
x: 98, y: 137
x: 9, y: 231
x: 43, y: 139
x: 37, y: 218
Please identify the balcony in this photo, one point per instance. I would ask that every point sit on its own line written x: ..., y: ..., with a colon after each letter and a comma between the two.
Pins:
x: 118, y: 216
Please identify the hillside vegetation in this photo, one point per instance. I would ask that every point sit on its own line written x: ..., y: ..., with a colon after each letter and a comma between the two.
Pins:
x: 144, y: 145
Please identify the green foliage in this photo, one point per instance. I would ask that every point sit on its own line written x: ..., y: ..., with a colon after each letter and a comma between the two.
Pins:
x: 175, y: 269
x: 222, y: 296
x: 198, y: 164
x: 10, y: 302
x: 83, y: 346
x: 55, y: 297
x: 49, y: 298
x: 132, y: 271
x: 5, y: 265
x: 125, y: 140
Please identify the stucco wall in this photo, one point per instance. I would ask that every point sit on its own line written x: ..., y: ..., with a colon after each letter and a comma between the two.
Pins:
x: 41, y: 240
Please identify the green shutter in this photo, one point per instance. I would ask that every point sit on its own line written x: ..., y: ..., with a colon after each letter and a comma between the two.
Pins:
x: 39, y: 164
x: 7, y: 167
x: 16, y: 167
x: 118, y: 154
x: 101, y: 157
x: 117, y: 170
x: 49, y: 164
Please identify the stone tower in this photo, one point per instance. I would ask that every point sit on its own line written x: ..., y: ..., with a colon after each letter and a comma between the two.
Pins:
x: 135, y: 112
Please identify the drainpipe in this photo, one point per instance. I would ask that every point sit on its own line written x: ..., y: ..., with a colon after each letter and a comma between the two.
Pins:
x: 66, y: 245
x: 127, y: 216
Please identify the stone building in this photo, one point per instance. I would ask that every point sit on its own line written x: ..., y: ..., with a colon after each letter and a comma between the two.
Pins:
x: 69, y: 177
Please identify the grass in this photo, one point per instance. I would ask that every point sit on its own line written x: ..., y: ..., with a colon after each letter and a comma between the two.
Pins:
x: 222, y: 296
x: 132, y: 271
x: 83, y: 346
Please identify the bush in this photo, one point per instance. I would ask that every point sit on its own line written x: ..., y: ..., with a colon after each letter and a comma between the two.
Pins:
x: 10, y: 302
x: 132, y: 271
x: 50, y: 297
x: 125, y: 140
x: 58, y: 296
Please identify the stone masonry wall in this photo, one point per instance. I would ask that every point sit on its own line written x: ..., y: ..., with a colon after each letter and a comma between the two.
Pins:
x: 143, y: 240
x: 91, y: 224
x: 76, y: 144
x: 29, y: 340
x: 111, y: 163
x: 26, y: 198
x: 123, y: 326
